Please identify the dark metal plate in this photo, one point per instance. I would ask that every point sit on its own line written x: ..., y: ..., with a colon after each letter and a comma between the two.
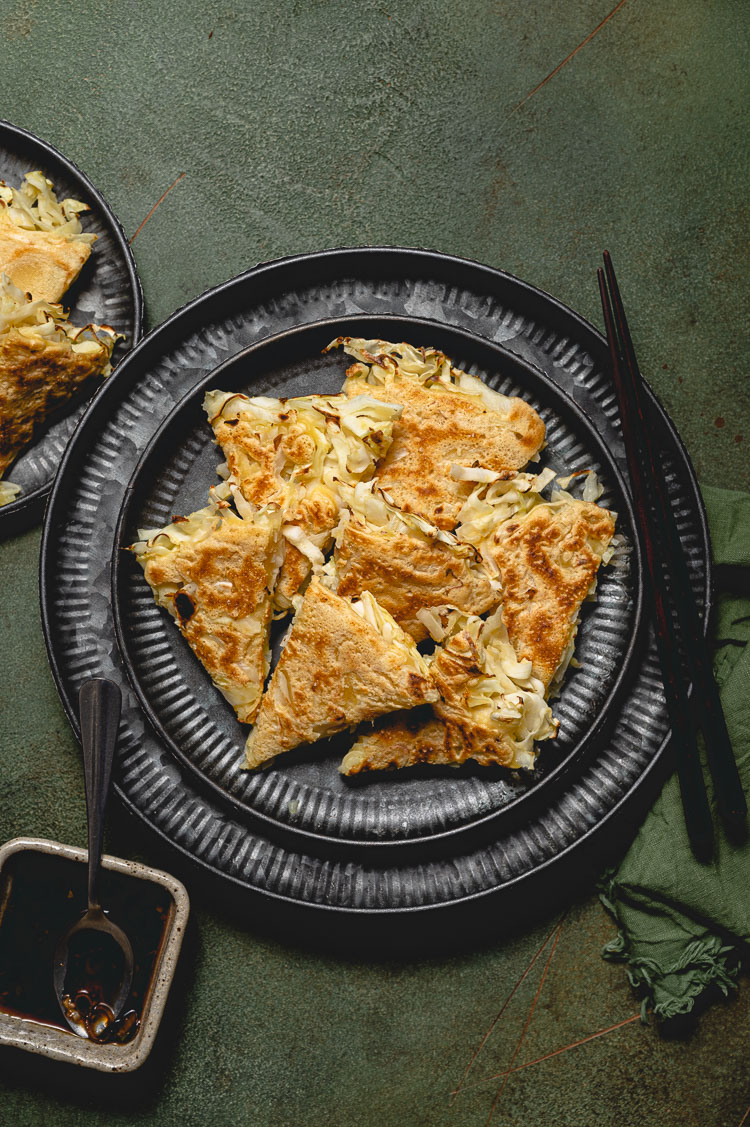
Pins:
x: 304, y: 791
x: 79, y: 537
x: 108, y: 292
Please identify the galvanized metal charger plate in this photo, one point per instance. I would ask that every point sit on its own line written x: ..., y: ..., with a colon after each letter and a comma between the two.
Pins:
x: 107, y: 292
x: 281, y: 846
x: 303, y: 791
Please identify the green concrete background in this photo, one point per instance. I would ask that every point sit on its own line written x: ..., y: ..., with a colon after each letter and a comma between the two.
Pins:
x: 300, y: 126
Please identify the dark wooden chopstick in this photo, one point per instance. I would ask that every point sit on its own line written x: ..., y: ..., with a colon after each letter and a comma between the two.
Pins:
x: 729, y: 794
x: 672, y: 600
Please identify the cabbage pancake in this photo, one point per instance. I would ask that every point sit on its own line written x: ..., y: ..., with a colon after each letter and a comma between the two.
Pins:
x: 42, y: 243
x: 212, y: 571
x: 296, y: 452
x: 43, y: 362
x: 405, y: 562
x: 450, y: 419
x: 547, y: 560
x: 491, y: 709
x: 342, y: 663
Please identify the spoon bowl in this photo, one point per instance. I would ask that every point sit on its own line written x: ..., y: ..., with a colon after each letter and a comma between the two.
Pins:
x: 92, y: 921
x: 99, y: 703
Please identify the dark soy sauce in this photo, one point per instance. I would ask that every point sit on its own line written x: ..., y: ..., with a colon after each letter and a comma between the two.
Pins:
x: 40, y: 897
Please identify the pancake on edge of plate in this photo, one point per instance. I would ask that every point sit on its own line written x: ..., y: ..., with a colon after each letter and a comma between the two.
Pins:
x: 43, y: 362
x: 42, y: 244
x: 295, y: 452
x: 404, y: 562
x: 491, y: 708
x: 342, y: 663
x: 450, y: 418
x: 546, y: 556
x: 213, y: 572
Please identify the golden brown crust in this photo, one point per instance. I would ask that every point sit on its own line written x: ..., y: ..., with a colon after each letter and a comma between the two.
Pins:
x: 251, y: 460
x: 219, y: 584
x: 482, y: 714
x: 403, y: 739
x: 335, y: 671
x: 547, y: 561
x: 437, y: 428
x: 252, y: 463
x: 449, y: 737
x: 37, y: 376
x: 455, y: 671
x: 315, y: 513
x: 406, y: 573
x: 39, y: 262
x: 409, y: 740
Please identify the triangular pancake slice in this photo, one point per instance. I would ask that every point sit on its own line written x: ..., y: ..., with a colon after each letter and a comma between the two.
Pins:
x: 42, y: 244
x: 452, y: 423
x: 43, y: 362
x: 405, y: 562
x: 342, y: 663
x: 213, y: 571
x: 403, y: 739
x: 296, y: 452
x: 547, y: 560
x: 491, y: 709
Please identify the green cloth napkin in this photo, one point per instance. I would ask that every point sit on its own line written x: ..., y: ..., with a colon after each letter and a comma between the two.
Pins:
x: 683, y: 924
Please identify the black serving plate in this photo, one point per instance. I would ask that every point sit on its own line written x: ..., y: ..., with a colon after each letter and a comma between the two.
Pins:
x: 303, y: 793
x: 107, y: 292
x: 258, y: 847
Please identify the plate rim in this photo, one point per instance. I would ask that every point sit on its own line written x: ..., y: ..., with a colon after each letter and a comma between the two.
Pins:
x: 584, y: 745
x: 557, y: 314
x: 25, y: 507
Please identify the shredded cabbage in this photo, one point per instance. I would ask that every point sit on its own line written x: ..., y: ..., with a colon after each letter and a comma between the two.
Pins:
x: 300, y: 453
x: 304, y: 544
x: 369, y: 609
x: 44, y: 320
x: 443, y: 622
x: 505, y: 696
x: 8, y: 492
x: 373, y: 506
x: 474, y: 473
x: 616, y: 547
x: 592, y: 488
x: 337, y: 439
x: 489, y: 505
x: 35, y: 207
x: 381, y: 360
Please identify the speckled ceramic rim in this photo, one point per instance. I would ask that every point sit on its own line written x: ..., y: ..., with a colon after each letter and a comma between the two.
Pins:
x: 491, y: 287
x: 53, y: 164
x: 254, y: 359
x: 61, y: 1045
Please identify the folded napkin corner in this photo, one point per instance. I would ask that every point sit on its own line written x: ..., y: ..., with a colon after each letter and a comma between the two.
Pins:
x: 683, y: 925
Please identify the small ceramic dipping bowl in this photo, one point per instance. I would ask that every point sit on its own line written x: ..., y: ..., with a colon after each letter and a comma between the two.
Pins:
x: 42, y: 891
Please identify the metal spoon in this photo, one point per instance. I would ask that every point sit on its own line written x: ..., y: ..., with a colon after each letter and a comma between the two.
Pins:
x: 99, y: 703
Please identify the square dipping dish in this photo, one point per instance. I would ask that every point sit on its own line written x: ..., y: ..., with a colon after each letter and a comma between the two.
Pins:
x: 42, y: 891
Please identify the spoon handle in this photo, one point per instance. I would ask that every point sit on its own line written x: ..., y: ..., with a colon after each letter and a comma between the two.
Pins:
x: 99, y: 703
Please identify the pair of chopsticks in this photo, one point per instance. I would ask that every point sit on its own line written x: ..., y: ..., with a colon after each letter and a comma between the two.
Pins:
x: 681, y: 643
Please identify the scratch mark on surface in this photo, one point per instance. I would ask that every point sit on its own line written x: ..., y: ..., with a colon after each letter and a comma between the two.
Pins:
x: 160, y: 200
x: 500, y: 1013
x: 568, y: 58
x: 526, y: 1024
x: 744, y: 1117
x: 564, y: 1049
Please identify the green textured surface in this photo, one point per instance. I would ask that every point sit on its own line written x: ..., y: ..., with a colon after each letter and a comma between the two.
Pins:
x: 300, y: 126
